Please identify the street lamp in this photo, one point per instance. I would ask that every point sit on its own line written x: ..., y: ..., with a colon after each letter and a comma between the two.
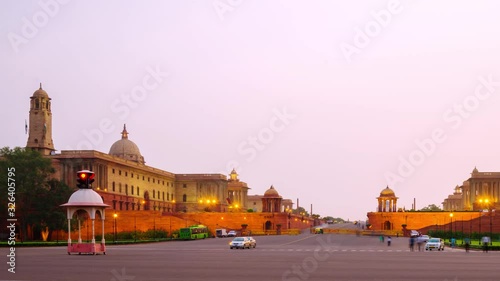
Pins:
x: 451, y: 226
x: 115, y: 226
x: 486, y: 202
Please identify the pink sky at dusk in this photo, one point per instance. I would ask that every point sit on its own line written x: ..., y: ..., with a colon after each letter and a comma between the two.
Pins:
x: 267, y: 87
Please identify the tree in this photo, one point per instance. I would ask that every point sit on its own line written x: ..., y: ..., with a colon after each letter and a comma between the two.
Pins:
x: 300, y: 211
x: 37, y: 197
x: 431, y: 208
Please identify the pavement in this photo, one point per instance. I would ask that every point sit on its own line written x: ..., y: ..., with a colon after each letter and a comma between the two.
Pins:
x: 295, y: 257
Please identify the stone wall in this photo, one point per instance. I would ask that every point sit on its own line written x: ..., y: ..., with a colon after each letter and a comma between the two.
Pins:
x: 146, y: 220
x: 425, y: 221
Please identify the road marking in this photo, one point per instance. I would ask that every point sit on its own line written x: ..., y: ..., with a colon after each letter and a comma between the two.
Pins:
x: 298, y: 240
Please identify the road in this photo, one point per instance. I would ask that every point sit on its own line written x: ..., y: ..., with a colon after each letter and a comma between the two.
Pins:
x: 301, y: 257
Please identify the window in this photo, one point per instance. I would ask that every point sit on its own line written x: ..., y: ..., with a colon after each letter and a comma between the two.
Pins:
x: 113, y: 186
x: 126, y: 189
x: 142, y: 177
x: 120, y: 188
x: 132, y: 189
x: 184, y: 185
x: 149, y: 179
x: 158, y: 195
x: 138, y: 191
x: 163, y: 195
x: 126, y: 174
x: 184, y: 198
x: 131, y: 175
x: 113, y: 171
x: 168, y: 196
x: 154, y: 193
x: 153, y: 180
x: 119, y: 172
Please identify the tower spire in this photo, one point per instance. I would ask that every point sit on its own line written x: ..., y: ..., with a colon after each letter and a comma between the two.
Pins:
x: 124, y: 132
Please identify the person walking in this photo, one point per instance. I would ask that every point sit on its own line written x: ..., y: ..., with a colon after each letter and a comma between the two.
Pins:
x: 388, y: 240
x: 467, y: 245
x: 412, y: 243
x: 485, y: 240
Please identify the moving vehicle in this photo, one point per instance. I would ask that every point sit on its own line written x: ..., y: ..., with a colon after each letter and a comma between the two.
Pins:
x: 424, y: 238
x: 253, y: 243
x: 435, y: 243
x: 414, y: 233
x: 193, y: 232
x: 221, y: 232
x: 231, y: 233
x: 240, y: 242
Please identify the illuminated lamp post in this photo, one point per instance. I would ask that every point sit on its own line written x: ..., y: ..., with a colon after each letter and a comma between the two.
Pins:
x: 451, y: 226
x: 115, y: 226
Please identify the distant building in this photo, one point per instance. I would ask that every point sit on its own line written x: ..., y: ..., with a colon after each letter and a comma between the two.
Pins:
x: 125, y: 182
x: 480, y: 192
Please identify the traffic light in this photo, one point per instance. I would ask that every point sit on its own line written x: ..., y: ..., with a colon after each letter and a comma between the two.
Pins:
x: 85, y: 179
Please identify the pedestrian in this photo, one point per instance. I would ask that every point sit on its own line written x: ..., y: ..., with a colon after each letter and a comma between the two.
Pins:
x: 412, y: 243
x: 420, y: 241
x: 388, y: 240
x: 467, y: 245
x: 485, y: 240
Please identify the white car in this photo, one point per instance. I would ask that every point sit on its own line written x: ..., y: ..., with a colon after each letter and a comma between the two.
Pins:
x: 435, y: 243
x: 253, y: 243
x: 240, y: 243
x: 423, y: 238
x: 231, y: 233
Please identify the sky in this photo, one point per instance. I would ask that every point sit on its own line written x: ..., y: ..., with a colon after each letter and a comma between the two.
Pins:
x: 328, y: 101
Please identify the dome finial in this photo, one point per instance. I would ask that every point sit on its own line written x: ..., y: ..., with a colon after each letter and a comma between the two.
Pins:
x: 124, y: 132
x: 41, y: 86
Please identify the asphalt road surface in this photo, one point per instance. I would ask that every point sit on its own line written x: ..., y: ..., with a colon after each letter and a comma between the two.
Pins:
x: 301, y: 257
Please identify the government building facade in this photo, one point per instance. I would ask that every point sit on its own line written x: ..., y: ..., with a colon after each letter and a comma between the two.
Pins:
x: 126, y: 183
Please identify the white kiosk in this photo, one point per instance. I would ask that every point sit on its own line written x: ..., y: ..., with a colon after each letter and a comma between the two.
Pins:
x: 91, y: 202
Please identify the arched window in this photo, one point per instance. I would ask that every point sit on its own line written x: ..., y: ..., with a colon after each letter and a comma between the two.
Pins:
x: 37, y: 104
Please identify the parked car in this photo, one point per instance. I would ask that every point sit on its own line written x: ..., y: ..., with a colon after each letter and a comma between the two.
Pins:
x: 231, y: 233
x: 414, y: 233
x: 240, y: 243
x: 221, y: 232
x: 424, y: 238
x: 253, y: 243
x: 435, y: 243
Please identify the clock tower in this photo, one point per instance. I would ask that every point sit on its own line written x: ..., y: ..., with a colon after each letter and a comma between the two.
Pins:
x: 40, y: 125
